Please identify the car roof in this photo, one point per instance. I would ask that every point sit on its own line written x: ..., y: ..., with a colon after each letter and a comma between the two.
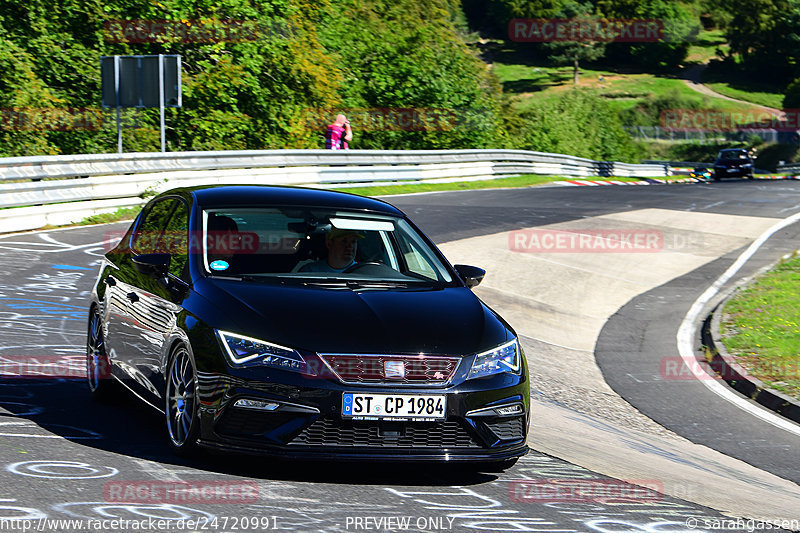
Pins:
x: 733, y: 150
x: 272, y: 195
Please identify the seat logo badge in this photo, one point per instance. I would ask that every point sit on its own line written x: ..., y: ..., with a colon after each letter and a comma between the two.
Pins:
x: 394, y: 369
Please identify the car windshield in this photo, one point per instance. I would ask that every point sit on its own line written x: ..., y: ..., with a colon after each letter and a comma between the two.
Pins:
x: 738, y: 154
x: 320, y: 245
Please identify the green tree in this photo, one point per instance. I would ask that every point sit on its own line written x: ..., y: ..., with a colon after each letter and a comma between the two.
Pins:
x: 251, y: 93
x: 791, y: 96
x: 765, y: 35
x: 573, y: 52
x: 390, y: 61
x: 493, y: 16
x: 681, y: 23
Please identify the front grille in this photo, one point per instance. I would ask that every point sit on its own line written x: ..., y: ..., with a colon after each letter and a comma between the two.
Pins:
x: 332, y: 432
x: 392, y: 369
x: 508, y: 428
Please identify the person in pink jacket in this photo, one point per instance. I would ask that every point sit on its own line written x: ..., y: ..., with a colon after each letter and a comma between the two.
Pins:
x: 338, y: 134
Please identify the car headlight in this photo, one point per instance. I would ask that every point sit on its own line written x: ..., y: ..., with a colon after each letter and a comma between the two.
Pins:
x: 247, y: 351
x: 504, y: 358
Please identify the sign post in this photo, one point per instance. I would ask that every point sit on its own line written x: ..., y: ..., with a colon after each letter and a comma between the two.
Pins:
x: 116, y: 100
x: 161, y: 99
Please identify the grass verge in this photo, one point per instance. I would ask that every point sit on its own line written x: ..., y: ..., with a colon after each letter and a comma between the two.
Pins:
x: 123, y: 213
x: 730, y: 80
x: 761, y: 328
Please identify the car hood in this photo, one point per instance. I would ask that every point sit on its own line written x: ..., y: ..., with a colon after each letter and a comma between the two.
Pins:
x: 341, y: 320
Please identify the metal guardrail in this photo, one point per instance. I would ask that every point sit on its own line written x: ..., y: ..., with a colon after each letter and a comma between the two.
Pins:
x: 680, y: 164
x: 789, y: 167
x: 36, y: 191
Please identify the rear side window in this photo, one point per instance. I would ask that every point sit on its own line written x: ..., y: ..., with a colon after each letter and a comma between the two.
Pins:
x: 164, y: 229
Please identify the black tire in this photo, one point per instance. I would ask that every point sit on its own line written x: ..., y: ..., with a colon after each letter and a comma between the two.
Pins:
x: 181, y: 397
x: 98, y: 366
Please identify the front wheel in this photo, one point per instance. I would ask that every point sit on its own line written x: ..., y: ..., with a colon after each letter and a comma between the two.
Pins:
x: 181, y: 401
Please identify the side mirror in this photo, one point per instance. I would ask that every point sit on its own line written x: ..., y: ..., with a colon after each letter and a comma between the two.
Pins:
x: 153, y: 265
x: 471, y: 275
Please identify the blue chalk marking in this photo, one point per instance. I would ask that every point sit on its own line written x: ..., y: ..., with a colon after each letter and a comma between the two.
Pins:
x: 70, y: 267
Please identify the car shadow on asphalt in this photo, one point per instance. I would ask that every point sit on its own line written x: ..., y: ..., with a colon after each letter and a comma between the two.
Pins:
x: 123, y: 425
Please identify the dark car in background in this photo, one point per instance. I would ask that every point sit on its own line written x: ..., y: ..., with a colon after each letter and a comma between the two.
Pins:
x: 209, y: 310
x: 733, y: 162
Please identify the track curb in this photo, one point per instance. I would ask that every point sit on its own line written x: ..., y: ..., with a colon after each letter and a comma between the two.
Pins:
x: 659, y: 181
x: 734, y: 374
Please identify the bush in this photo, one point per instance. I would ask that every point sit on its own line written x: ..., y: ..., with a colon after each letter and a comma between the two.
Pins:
x: 576, y: 123
x: 791, y: 96
x: 648, y: 112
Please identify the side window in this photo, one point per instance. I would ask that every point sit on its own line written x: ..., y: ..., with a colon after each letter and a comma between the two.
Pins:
x: 165, y: 230
x: 149, y: 233
x: 418, y: 263
x: 175, y: 239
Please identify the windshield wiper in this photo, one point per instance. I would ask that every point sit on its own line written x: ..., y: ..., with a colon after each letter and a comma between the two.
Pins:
x: 357, y: 283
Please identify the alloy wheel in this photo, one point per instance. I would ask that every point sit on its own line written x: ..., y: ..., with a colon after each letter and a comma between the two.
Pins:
x: 181, y: 396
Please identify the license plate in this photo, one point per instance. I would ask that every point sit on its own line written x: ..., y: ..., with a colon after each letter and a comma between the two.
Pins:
x: 394, y: 406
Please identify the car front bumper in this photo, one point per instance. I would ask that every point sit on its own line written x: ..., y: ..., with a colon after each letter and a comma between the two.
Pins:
x: 308, y: 424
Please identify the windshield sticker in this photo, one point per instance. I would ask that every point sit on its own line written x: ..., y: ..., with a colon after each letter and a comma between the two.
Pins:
x: 219, y: 264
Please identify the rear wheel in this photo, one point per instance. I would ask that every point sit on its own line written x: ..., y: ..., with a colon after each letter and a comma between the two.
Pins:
x: 98, y: 365
x: 181, y: 401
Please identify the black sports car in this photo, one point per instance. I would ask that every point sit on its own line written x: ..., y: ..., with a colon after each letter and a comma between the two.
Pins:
x: 305, y: 323
x: 734, y: 162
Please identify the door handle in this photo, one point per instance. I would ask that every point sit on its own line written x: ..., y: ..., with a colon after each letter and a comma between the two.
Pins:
x: 132, y: 296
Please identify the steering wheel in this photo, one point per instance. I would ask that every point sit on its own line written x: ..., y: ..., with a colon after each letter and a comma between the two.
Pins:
x: 353, y: 268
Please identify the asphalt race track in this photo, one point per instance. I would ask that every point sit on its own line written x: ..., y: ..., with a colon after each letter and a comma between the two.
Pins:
x: 62, y: 457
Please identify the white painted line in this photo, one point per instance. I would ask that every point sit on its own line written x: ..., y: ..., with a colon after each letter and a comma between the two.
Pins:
x: 688, y: 328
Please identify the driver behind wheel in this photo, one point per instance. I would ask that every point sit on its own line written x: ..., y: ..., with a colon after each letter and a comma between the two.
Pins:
x: 342, y: 245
